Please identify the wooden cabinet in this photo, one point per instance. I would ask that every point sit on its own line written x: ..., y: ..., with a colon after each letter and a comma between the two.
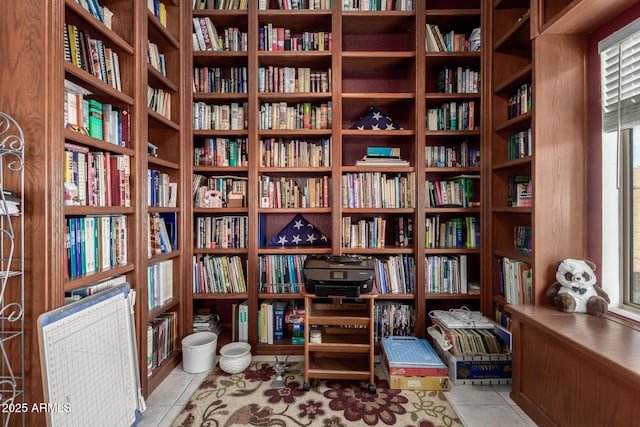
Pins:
x: 346, y: 347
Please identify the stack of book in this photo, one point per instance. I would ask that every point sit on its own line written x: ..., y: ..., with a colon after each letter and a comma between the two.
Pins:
x: 207, y: 322
x: 382, y: 156
x: 410, y: 363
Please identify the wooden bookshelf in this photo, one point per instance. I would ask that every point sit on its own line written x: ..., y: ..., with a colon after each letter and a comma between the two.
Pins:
x: 163, y: 161
x: 376, y: 59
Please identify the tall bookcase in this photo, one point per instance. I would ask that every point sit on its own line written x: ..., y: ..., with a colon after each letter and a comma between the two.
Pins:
x: 40, y: 89
x: 512, y: 153
x: 371, y: 59
x: 164, y: 160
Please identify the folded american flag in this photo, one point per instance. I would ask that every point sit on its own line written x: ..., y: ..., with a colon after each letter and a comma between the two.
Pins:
x: 299, y: 232
x: 375, y: 120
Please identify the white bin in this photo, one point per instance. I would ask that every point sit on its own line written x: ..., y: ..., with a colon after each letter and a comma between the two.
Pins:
x: 199, y: 352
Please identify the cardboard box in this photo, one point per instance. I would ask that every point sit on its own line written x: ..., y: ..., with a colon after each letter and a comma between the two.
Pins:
x: 476, y: 368
x: 433, y: 383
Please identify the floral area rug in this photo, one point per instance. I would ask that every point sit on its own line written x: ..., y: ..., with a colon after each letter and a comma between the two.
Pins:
x: 248, y: 399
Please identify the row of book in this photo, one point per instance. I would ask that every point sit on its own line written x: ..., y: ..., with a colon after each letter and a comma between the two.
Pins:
x: 516, y: 281
x: 462, y: 156
x: 92, y: 56
x: 393, y: 318
x: 224, y: 185
x: 520, y: 102
x: 163, y: 236
x: 93, y: 288
x: 94, y: 243
x: 207, y: 38
x: 280, y: 273
x: 280, y: 115
x: 95, y: 178
x: 155, y: 58
x: 159, y: 10
x: 220, y: 80
x: 9, y: 202
x: 519, y: 191
x: 452, y: 115
x: 207, y: 321
x: 437, y: 41
x: 458, y: 80
x: 218, y: 274
x: 107, y: 122
x: 372, y: 232
x: 272, y: 38
x: 162, y: 333
x: 101, y: 13
x: 458, y: 191
x: 160, y: 283
x: 452, y: 233
x: 271, y: 321
x: 219, y: 4
x: 378, y: 5
x: 394, y: 274
x: 522, y: 239
x: 378, y: 190
x: 520, y: 145
x: 232, y: 116
x: 297, y: 153
x: 294, y: 192
x: 293, y: 80
x: 221, y: 232
x: 225, y: 152
x: 446, y: 274
x: 159, y: 100
x: 294, y: 4
x: 161, y: 192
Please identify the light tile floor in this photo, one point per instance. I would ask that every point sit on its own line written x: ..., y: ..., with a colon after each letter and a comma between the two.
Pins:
x: 478, y: 406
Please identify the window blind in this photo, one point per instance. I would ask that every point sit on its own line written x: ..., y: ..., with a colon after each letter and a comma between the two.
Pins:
x: 620, y: 80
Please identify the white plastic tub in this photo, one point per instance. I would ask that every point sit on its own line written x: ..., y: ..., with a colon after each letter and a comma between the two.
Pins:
x: 199, y: 352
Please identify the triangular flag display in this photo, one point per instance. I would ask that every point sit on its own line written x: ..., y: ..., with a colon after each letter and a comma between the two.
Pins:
x: 375, y: 120
x: 299, y: 232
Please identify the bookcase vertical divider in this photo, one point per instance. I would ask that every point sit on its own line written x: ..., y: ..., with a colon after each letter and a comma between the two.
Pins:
x: 336, y: 131
x: 419, y: 144
x: 254, y: 162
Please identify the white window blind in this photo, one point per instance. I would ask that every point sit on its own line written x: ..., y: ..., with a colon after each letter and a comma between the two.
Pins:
x: 620, y: 65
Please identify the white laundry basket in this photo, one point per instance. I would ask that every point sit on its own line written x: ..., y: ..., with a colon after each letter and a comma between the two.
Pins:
x: 199, y: 352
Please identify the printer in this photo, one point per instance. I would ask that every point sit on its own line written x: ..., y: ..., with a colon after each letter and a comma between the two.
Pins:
x: 344, y: 275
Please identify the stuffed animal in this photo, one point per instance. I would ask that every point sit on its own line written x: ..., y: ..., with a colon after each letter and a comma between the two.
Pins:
x: 575, y: 289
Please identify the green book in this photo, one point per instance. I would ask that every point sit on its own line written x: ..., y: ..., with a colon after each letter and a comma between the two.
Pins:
x: 95, y: 119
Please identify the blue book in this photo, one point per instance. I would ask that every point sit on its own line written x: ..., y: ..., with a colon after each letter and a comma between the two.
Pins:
x: 279, y: 309
x: 383, y: 152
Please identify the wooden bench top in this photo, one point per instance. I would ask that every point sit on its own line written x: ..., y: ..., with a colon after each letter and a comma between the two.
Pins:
x: 608, y: 339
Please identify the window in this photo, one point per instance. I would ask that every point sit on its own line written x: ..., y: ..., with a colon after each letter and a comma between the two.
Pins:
x: 620, y: 85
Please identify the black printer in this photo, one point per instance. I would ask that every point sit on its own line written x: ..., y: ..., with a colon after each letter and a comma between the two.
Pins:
x: 344, y: 275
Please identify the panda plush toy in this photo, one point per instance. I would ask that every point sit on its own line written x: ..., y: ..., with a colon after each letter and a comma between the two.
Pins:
x: 575, y: 289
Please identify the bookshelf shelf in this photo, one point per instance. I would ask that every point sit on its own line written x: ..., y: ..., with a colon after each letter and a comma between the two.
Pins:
x: 78, y: 138
x: 513, y: 164
x: 99, y: 89
x: 223, y: 296
x: 430, y: 296
x: 157, y: 32
x: 97, y: 276
x: 515, y: 80
x: 515, y: 123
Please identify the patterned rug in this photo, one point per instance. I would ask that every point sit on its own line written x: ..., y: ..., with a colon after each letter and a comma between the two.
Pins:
x: 248, y: 399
